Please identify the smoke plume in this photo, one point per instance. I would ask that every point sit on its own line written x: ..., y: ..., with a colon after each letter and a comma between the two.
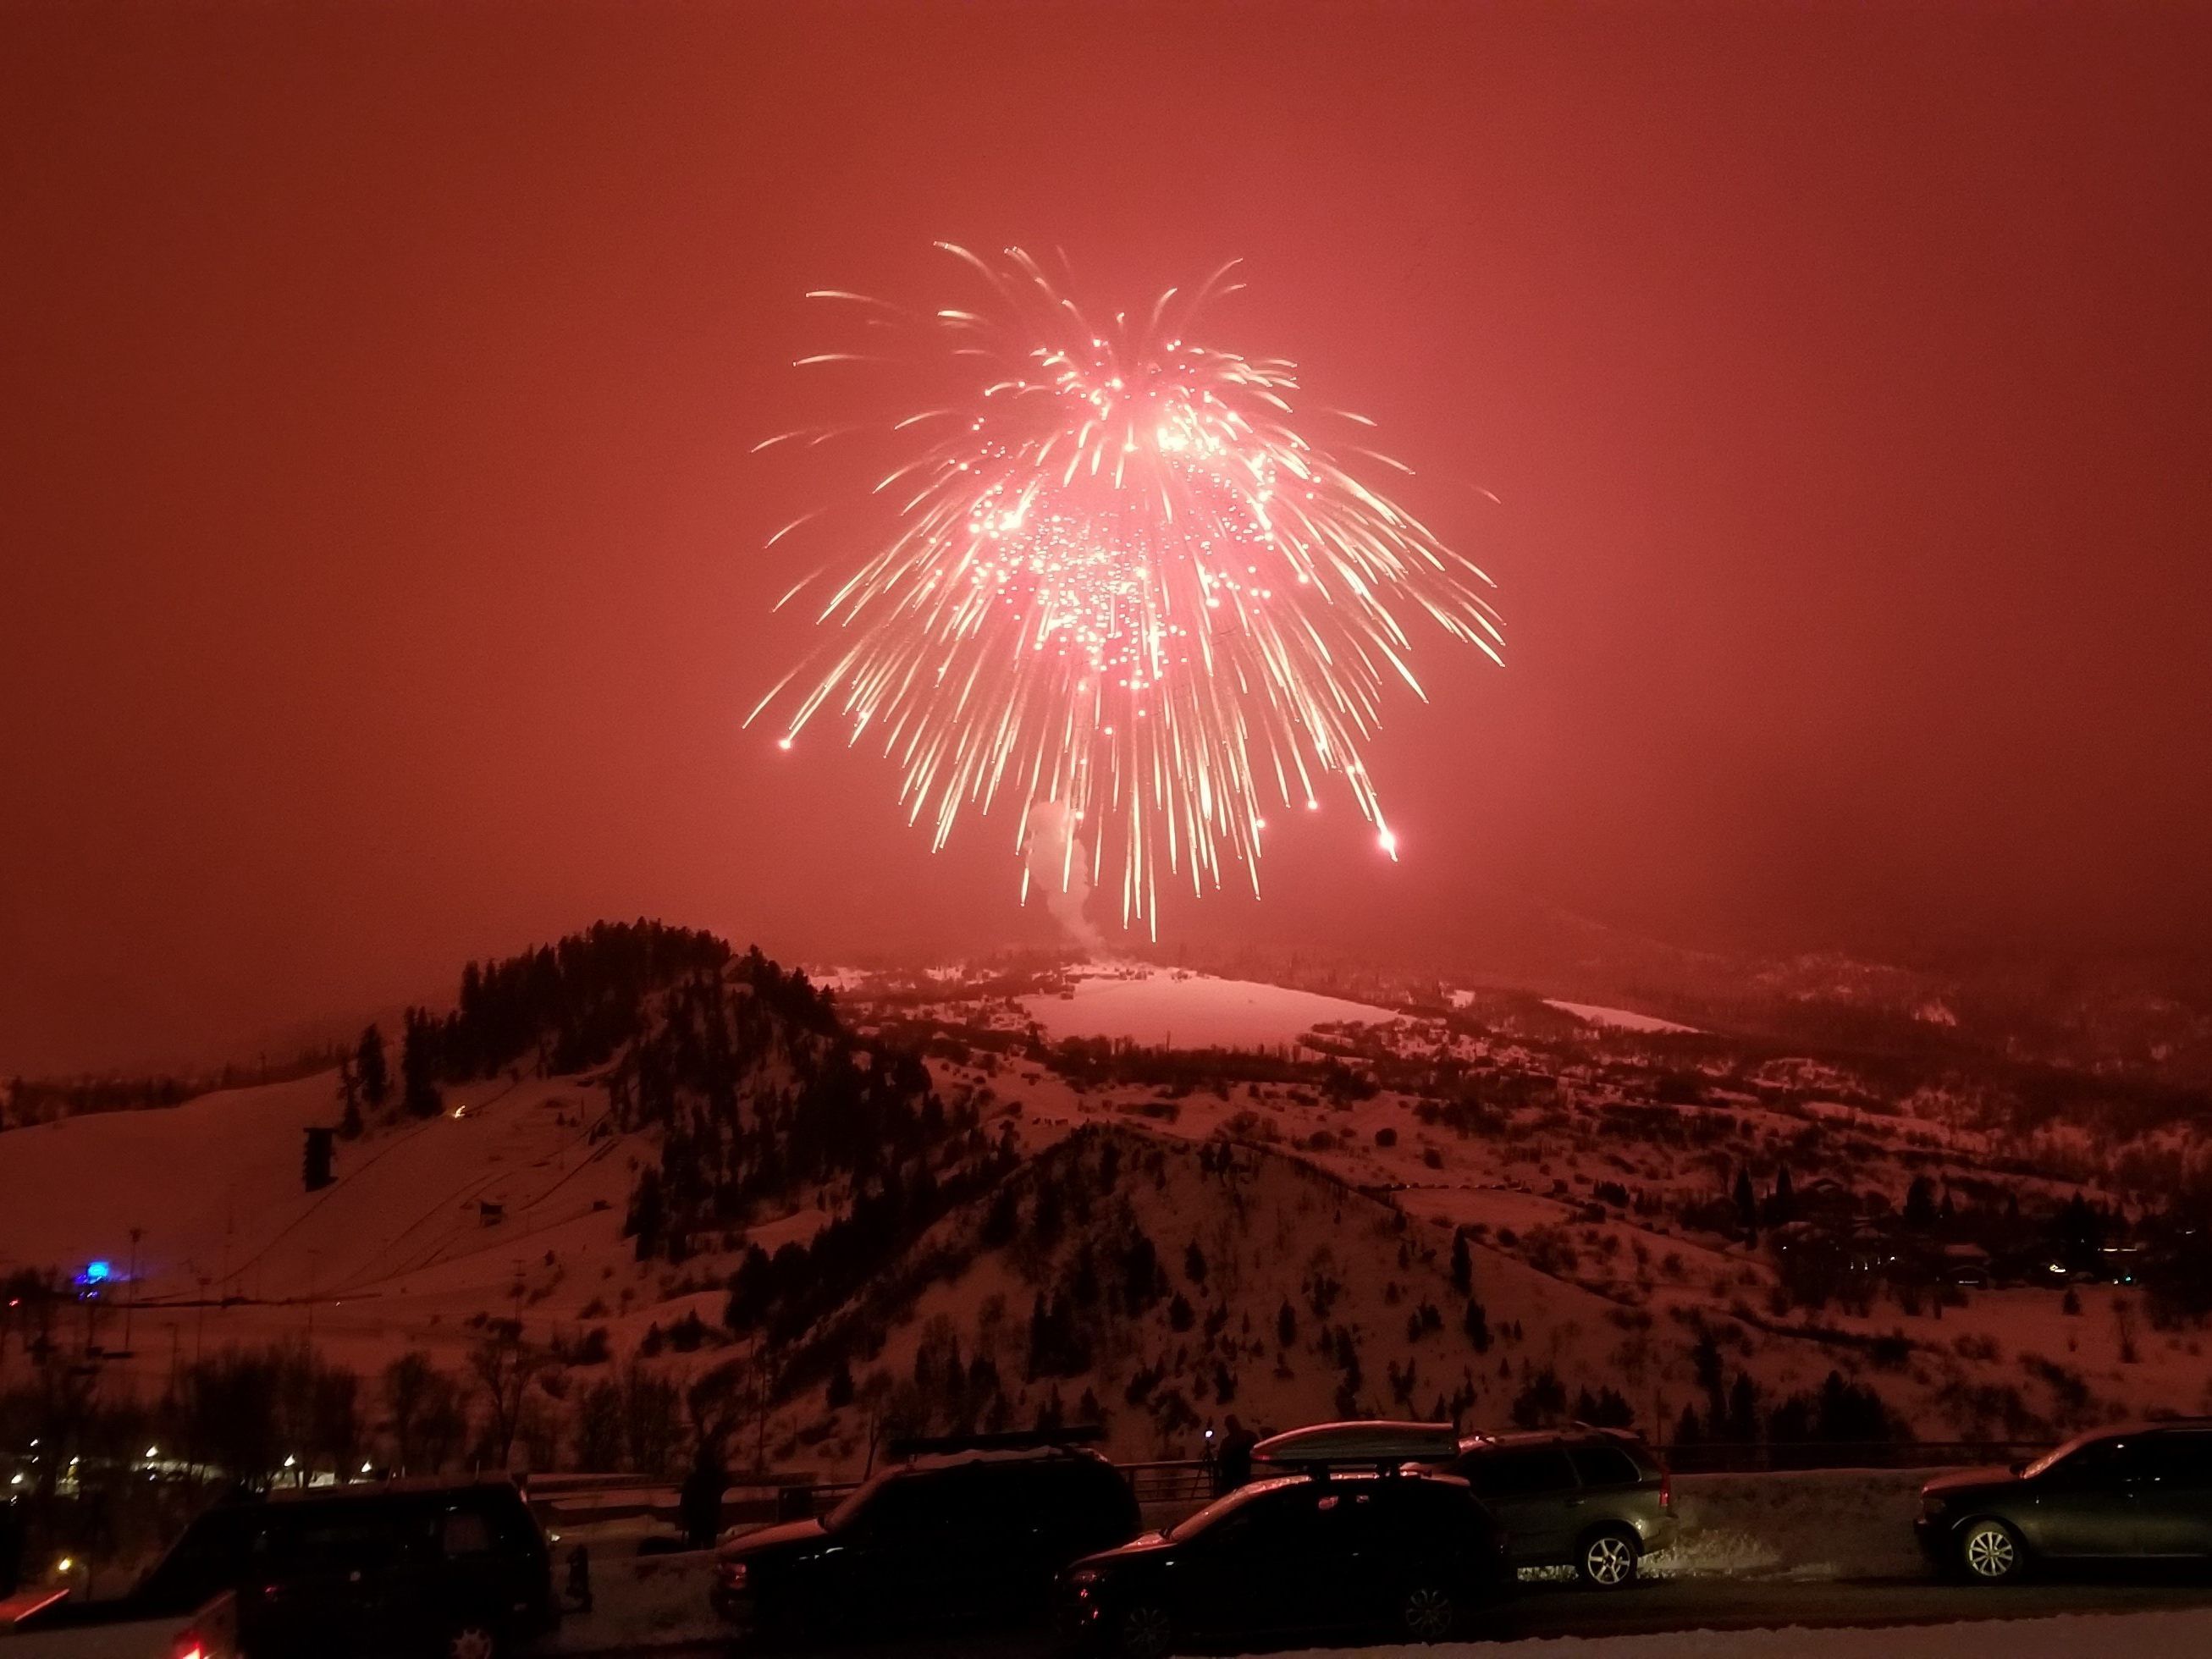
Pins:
x: 1058, y: 866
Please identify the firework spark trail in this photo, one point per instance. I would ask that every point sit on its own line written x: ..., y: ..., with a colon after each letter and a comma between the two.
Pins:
x: 1122, y: 591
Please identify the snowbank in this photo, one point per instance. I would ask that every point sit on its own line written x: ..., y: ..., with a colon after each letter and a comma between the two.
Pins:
x: 2067, y: 1636
x: 641, y: 1601
x: 1815, y: 1524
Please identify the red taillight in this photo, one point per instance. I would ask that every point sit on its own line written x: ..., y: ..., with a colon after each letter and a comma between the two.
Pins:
x: 1667, y: 1490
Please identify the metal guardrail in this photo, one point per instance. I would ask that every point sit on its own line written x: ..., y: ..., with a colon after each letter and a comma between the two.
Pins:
x: 1164, y: 1483
x: 1766, y: 1457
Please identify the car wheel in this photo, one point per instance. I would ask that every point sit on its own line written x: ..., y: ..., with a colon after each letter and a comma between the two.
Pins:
x: 1425, y: 1612
x: 1608, y: 1559
x: 1991, y: 1551
x: 1146, y: 1631
x: 472, y: 1639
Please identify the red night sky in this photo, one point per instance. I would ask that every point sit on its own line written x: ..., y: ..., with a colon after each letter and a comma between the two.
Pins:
x: 382, y: 580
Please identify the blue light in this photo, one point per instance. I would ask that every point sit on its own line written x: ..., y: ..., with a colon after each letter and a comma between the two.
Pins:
x: 96, y: 1272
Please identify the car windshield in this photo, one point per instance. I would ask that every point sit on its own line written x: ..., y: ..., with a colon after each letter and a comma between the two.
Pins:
x: 849, y: 1507
x: 2052, y: 1459
x: 1193, y: 1524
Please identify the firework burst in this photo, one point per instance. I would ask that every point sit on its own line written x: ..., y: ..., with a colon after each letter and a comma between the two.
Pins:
x: 1122, y: 588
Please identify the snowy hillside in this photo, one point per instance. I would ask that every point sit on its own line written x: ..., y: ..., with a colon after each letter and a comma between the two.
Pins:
x: 900, y: 1204
x: 399, y: 1250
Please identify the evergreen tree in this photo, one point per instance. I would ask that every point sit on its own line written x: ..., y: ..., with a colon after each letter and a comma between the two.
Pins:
x: 418, y: 1066
x: 1194, y: 1264
x: 1286, y: 1325
x: 1747, y: 1200
x: 648, y: 1216
x: 349, y: 1124
x: 1743, y: 1410
x: 1920, y: 1204
x: 1705, y: 1364
x: 1782, y: 1205
x: 369, y: 1066
x: 1463, y: 1264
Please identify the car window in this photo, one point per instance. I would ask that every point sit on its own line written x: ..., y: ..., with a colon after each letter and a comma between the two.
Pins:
x: 1519, y: 1472
x: 990, y: 1500
x: 2140, y: 1458
x: 2186, y: 1461
x: 857, y: 1502
x: 1345, y: 1518
x: 2078, y: 1454
x: 1251, y: 1514
x: 897, y: 1508
x: 1072, y: 1498
x: 1604, y: 1466
x: 465, y: 1533
x: 2094, y: 1462
x: 1426, y: 1512
x: 333, y: 1542
x: 211, y: 1556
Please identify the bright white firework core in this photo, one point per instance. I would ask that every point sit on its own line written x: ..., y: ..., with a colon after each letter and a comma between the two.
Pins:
x: 1122, y: 586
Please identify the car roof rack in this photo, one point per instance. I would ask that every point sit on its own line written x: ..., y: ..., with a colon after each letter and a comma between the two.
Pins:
x: 908, y: 1447
x: 1383, y: 1446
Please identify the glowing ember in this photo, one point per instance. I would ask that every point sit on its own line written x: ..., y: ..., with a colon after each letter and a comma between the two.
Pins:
x: 1121, y: 584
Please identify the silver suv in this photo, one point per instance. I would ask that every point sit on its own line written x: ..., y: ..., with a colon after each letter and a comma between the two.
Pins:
x: 1596, y: 1500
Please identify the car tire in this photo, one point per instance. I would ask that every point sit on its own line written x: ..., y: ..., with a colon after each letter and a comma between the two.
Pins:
x: 1144, y: 1632
x: 1990, y: 1552
x: 472, y: 1639
x: 1608, y: 1558
x: 1426, y: 1612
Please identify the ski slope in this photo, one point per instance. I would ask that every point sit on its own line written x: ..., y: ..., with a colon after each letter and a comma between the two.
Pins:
x: 398, y: 1243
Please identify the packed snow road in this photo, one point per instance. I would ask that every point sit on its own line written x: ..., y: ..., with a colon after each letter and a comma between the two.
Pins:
x: 2147, y: 1618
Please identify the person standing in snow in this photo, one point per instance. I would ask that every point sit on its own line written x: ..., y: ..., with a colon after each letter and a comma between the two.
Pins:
x: 699, y: 1506
x: 1233, y: 1466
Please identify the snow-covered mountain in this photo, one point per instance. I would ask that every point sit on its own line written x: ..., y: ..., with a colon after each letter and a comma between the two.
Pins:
x: 950, y: 1197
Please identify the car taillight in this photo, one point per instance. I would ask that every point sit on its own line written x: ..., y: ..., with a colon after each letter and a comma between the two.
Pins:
x: 1667, y: 1490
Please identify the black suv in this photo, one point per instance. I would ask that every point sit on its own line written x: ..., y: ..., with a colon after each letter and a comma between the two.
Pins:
x: 454, y: 1568
x: 1593, y: 1500
x: 1411, y: 1552
x: 972, y: 1535
x: 2142, y: 1494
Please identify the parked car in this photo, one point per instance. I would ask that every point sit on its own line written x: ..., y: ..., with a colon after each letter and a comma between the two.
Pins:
x: 453, y: 1568
x: 960, y: 1537
x: 1411, y: 1552
x: 1598, y: 1500
x: 2143, y: 1493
